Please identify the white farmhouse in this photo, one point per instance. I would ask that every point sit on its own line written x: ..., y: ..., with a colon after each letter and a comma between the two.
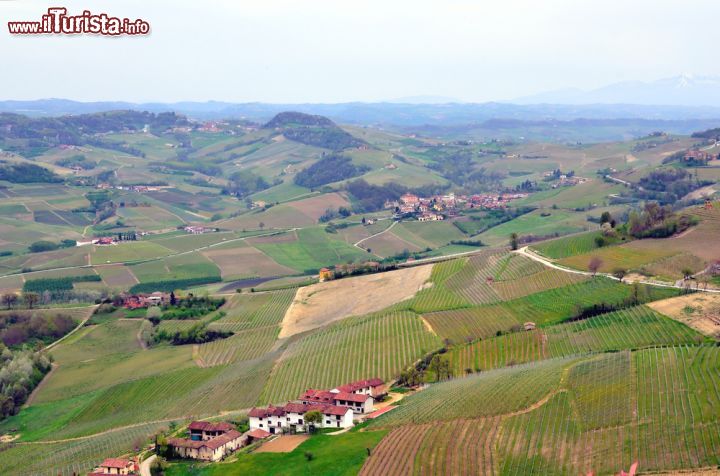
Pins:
x: 291, y: 417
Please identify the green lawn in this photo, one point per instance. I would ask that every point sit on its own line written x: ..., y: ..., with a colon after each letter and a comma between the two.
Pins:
x: 332, y: 455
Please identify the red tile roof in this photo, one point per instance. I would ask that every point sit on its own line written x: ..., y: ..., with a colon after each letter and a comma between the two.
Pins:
x: 208, y: 426
x: 351, y: 397
x: 223, y: 439
x: 258, y: 434
x: 321, y: 396
x: 266, y: 412
x: 115, y: 463
x: 333, y: 410
x: 354, y: 386
x: 303, y: 408
x: 212, y: 444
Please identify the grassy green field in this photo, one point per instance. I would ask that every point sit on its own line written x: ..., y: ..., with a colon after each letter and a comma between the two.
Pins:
x: 623, y: 256
x: 341, y: 455
x: 189, y: 265
x: 571, y: 245
x: 561, y: 222
x: 128, y: 252
x: 313, y: 249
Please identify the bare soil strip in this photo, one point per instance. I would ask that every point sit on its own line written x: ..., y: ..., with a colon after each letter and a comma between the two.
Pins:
x: 320, y: 304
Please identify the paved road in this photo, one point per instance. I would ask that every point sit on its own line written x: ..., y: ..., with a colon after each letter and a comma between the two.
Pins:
x: 533, y: 256
x: 145, y: 465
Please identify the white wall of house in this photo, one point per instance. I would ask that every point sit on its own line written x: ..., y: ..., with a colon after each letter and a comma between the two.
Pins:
x: 277, y: 424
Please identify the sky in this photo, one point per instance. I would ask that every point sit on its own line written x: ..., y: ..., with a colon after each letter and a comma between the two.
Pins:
x: 295, y: 51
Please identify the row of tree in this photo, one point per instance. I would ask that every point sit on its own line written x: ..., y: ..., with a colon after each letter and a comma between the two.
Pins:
x: 20, y: 372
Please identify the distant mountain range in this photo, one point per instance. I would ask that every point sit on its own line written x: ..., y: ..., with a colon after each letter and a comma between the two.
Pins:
x: 684, y: 90
x: 384, y: 113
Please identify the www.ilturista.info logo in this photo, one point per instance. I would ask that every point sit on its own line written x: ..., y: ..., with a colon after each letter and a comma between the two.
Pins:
x: 58, y: 22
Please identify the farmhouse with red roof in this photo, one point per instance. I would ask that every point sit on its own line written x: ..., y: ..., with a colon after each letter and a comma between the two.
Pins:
x: 115, y: 466
x: 374, y: 387
x: 338, y: 407
x: 208, y: 441
x: 291, y: 417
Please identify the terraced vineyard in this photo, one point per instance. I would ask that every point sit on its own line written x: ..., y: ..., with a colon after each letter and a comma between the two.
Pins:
x: 375, y: 345
x: 73, y: 457
x: 627, y: 329
x: 438, y: 295
x: 244, y: 345
x: 546, y: 307
x: 255, y: 321
x: 492, y: 393
x: 453, y: 447
x: 656, y: 406
x: 490, y: 278
x: 472, y: 282
x: 187, y: 393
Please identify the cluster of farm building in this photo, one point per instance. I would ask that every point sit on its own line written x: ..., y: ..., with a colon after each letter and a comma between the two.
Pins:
x: 339, y: 408
x: 440, y: 206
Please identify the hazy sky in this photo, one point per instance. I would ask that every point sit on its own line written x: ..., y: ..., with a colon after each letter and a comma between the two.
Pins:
x: 336, y: 50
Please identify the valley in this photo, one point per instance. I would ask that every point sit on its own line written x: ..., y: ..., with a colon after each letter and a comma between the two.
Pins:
x: 532, y: 306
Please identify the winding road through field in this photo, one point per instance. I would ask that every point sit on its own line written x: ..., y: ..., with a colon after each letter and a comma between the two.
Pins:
x: 376, y: 234
x: 525, y: 251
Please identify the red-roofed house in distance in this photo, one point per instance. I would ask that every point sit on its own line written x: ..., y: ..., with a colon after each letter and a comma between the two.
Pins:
x: 115, y: 466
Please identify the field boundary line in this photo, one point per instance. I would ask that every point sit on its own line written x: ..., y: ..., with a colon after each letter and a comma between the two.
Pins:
x: 150, y: 260
x: 79, y: 326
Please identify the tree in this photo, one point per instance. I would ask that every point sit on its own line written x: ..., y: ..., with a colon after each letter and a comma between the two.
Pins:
x: 312, y: 418
x: 161, y: 445
x: 620, y: 273
x: 605, y: 218
x: 261, y: 225
x: 599, y: 241
x: 595, y: 264
x: 514, y: 241
x: 173, y: 299
x: 9, y: 299
x: 441, y: 367
x: 687, y: 273
x: 31, y: 299
x: 158, y: 467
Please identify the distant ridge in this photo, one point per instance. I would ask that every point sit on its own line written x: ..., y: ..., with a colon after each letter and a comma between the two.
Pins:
x: 383, y: 114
